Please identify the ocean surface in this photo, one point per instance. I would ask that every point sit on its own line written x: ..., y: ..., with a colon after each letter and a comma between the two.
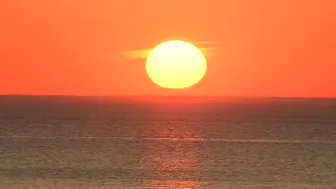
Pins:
x: 167, y: 142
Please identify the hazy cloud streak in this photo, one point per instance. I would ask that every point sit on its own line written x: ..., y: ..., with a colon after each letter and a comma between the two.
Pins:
x: 208, y: 48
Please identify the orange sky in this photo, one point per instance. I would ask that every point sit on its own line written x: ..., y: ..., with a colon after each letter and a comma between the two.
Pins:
x: 263, y: 47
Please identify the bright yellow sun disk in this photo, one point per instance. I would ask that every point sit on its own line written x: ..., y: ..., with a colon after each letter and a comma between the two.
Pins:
x: 176, y: 65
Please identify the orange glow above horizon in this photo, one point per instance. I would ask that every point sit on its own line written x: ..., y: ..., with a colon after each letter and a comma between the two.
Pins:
x: 263, y: 48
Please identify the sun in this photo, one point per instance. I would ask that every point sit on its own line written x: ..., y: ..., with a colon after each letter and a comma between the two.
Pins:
x: 176, y: 65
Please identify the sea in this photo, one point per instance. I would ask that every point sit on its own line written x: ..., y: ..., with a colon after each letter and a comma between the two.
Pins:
x: 70, y: 142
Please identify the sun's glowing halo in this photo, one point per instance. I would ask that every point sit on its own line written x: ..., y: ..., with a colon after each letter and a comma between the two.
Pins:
x: 176, y: 65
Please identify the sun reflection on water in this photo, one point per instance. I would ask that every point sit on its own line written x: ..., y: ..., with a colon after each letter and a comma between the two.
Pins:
x: 174, y: 162
x: 175, y: 184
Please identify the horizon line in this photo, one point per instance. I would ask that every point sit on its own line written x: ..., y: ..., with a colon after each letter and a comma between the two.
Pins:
x: 167, y: 96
